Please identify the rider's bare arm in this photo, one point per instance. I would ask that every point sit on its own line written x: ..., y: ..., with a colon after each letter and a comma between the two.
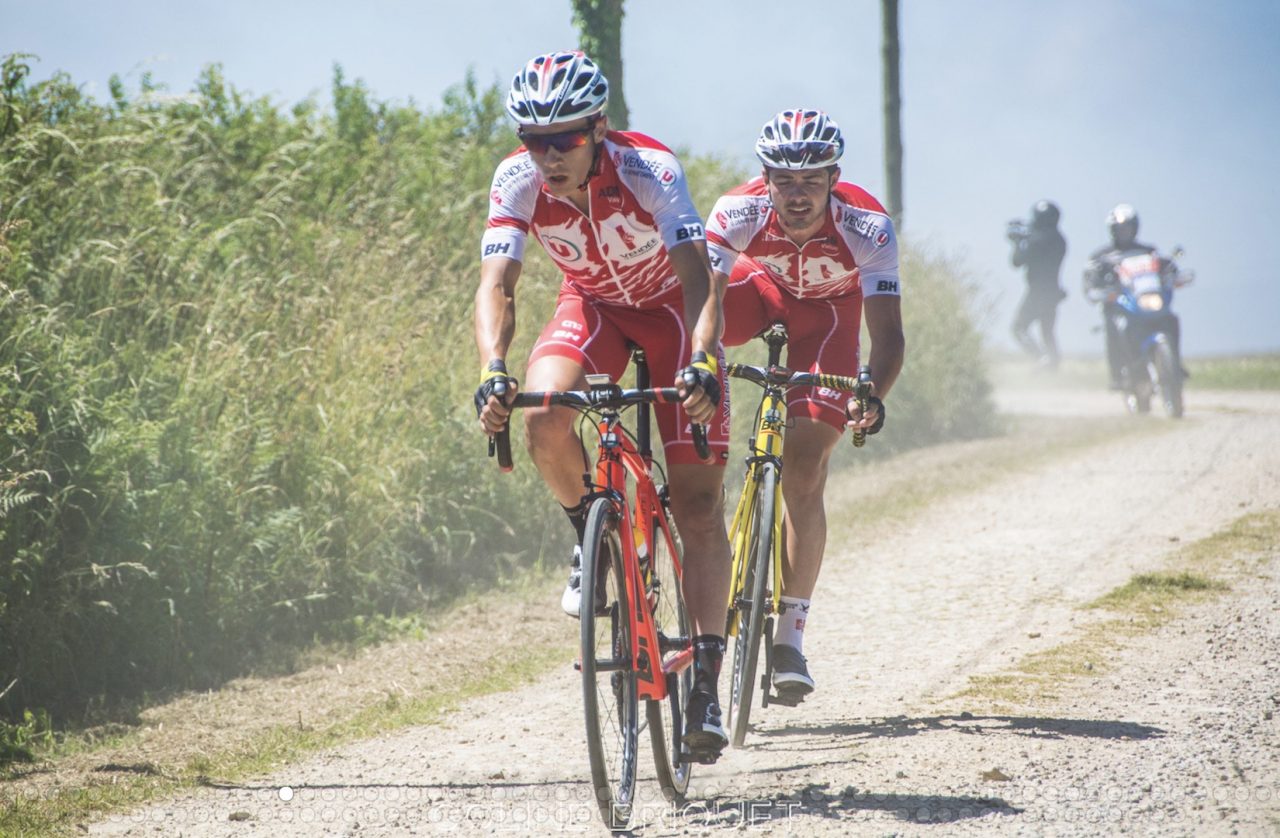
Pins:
x: 495, y: 323
x: 496, y: 307
x: 703, y: 313
x: 883, y: 314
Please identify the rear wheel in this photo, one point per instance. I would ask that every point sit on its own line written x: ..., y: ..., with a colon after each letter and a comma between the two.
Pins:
x: 609, y: 697
x: 675, y: 633
x: 749, y: 611
x: 1169, y: 376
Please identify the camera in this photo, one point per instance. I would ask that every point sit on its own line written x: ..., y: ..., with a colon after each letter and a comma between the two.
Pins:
x: 1016, y: 230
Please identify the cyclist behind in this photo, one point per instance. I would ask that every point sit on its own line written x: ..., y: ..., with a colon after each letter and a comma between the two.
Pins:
x: 612, y: 210
x: 814, y: 252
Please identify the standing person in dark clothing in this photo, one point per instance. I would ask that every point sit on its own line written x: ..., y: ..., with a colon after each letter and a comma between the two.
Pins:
x: 1040, y: 248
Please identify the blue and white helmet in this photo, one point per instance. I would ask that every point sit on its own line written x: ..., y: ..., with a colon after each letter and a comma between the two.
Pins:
x: 555, y: 88
x: 800, y: 138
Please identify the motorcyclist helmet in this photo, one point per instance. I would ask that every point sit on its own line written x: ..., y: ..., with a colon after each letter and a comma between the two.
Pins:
x: 800, y: 138
x: 555, y: 88
x: 1122, y: 224
x: 1045, y: 215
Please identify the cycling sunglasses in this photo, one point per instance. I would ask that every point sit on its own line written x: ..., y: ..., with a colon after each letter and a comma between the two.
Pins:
x: 811, y: 152
x: 561, y: 141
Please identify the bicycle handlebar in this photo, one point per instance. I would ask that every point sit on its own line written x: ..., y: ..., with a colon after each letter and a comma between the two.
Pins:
x: 861, y: 392
x: 611, y: 398
x: 783, y: 377
x: 859, y: 388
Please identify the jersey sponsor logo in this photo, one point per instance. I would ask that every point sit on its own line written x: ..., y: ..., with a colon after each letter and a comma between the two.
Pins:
x: 496, y: 197
x: 563, y: 249
x: 887, y: 285
x: 639, y: 165
x: 499, y: 247
x: 666, y: 177
x: 623, y: 241
x: 747, y: 213
x: 830, y: 248
x: 689, y: 231
x: 505, y: 175
x: 565, y: 334
x: 866, y: 227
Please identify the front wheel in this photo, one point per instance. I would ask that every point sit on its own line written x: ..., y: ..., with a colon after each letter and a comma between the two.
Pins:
x: 609, y: 696
x: 750, y: 607
x: 1168, y: 374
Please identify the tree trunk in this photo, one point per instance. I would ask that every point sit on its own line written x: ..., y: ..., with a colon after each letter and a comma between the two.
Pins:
x: 600, y: 25
x: 892, y: 110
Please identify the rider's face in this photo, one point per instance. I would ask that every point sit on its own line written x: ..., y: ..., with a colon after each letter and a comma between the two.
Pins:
x: 800, y: 197
x: 564, y: 153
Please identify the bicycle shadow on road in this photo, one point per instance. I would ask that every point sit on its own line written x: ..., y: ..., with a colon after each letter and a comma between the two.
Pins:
x: 1031, y: 726
x: 848, y: 804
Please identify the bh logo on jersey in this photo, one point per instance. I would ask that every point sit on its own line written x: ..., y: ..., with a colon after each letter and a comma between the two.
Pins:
x: 570, y: 330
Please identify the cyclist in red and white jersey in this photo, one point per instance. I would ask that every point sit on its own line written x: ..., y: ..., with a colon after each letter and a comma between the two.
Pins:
x: 612, y: 209
x: 799, y: 246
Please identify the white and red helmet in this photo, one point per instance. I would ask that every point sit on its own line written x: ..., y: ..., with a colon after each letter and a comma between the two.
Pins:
x: 557, y: 87
x: 800, y: 138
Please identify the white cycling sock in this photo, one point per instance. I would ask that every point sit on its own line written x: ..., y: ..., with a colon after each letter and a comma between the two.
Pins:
x: 792, y: 613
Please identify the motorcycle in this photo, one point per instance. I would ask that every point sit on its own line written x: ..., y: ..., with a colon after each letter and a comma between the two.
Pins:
x: 1137, y: 294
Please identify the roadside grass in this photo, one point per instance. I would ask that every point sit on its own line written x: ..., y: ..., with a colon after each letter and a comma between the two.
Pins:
x: 1196, y: 573
x: 1244, y: 372
x: 1226, y: 372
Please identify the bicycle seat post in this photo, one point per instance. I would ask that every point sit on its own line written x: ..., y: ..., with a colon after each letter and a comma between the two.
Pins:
x: 642, y: 409
x: 776, y: 338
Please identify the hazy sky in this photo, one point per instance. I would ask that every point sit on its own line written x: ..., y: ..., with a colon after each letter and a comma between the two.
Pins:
x: 1171, y: 105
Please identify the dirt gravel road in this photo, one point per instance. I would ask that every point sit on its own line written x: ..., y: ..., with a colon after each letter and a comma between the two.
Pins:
x: 1176, y: 733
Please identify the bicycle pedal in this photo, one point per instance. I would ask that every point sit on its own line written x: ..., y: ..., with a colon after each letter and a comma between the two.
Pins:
x: 702, y: 756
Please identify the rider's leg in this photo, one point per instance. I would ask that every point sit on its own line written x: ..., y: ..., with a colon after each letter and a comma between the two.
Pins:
x: 550, y: 433
x: 805, y: 455
x: 560, y: 362
x: 697, y: 504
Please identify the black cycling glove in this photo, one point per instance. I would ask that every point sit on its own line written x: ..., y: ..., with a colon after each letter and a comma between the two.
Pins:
x: 494, y: 381
x: 702, y: 372
x: 879, y: 417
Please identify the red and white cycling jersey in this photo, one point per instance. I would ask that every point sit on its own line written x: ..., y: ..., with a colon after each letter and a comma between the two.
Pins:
x: 639, y: 207
x: 855, y: 250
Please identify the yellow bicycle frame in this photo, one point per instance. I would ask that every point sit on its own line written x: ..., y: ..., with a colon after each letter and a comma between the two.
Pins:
x: 766, y: 441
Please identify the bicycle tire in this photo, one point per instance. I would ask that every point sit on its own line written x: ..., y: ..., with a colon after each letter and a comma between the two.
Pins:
x: 609, y: 700
x: 672, y: 620
x: 746, y: 645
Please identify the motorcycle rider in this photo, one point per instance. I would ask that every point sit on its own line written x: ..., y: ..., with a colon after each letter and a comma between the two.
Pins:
x: 1099, y: 277
x: 1040, y: 248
